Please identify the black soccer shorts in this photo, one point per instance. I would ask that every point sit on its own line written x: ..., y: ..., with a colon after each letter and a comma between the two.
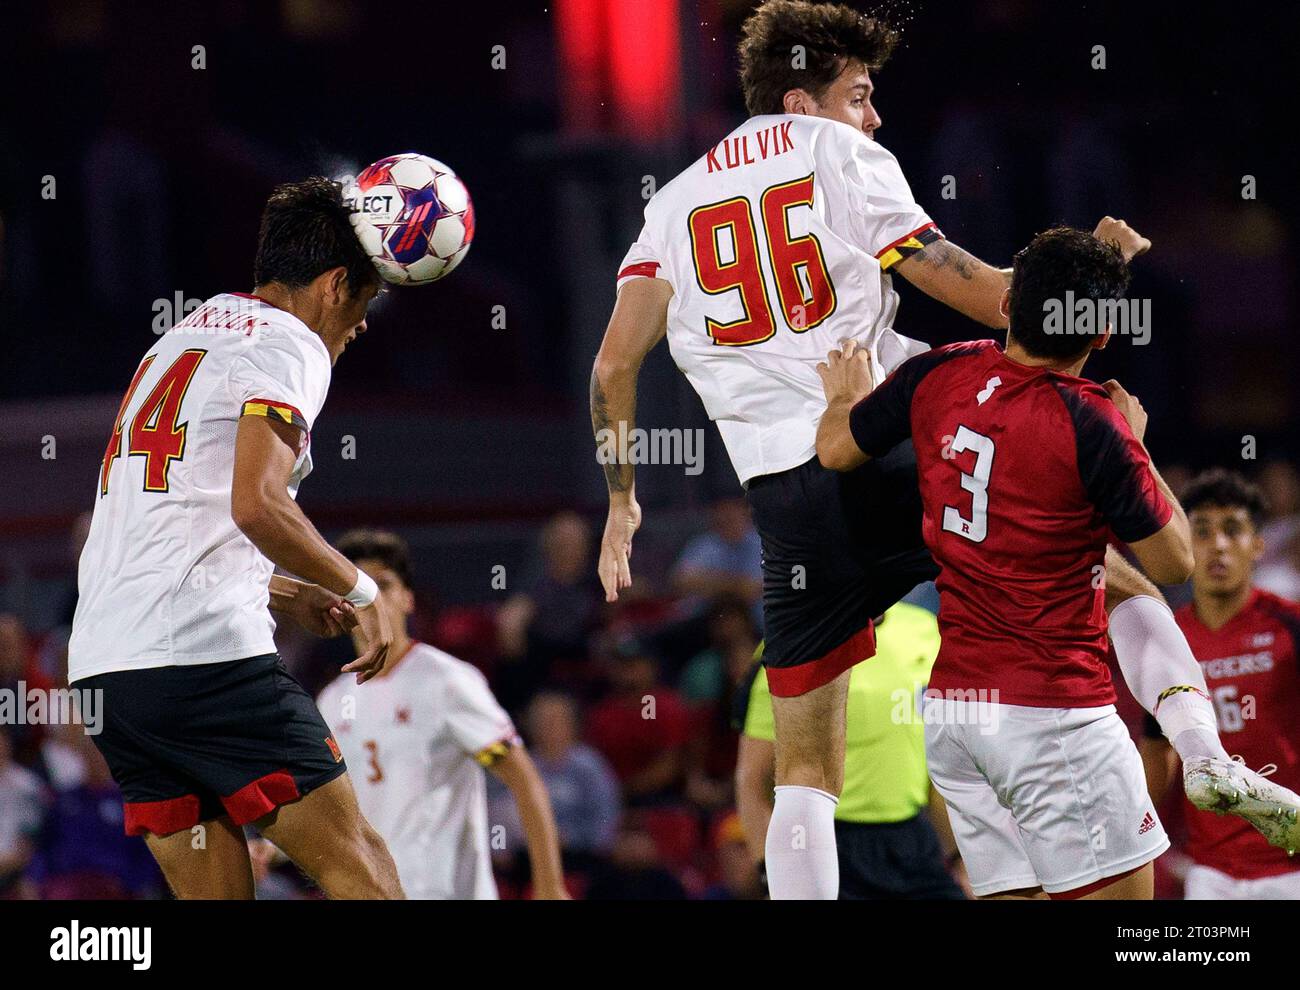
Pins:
x: 191, y: 743
x: 838, y: 550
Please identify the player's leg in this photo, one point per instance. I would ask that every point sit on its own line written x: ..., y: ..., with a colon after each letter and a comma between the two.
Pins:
x: 331, y: 841
x: 201, y: 852
x: 1139, y: 885
x: 987, y: 835
x: 801, y: 858
x: 1157, y: 663
x: 1166, y: 680
x: 209, y: 861
x: 1076, y: 786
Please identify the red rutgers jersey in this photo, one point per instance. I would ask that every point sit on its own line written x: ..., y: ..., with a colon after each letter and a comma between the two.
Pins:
x: 1250, y: 670
x: 1025, y: 474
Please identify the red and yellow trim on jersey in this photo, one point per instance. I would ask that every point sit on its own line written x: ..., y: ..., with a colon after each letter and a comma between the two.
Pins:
x: 908, y: 245
x: 275, y: 410
x: 494, y: 751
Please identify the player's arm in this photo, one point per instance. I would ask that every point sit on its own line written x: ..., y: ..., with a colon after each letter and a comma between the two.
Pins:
x: 958, y: 279
x: 517, y: 771
x: 1160, y: 763
x: 846, y: 379
x: 314, y: 608
x: 1166, y: 555
x: 639, y: 321
x: 265, y: 452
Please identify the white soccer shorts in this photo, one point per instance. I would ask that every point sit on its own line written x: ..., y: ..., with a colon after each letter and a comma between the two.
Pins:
x: 1041, y: 797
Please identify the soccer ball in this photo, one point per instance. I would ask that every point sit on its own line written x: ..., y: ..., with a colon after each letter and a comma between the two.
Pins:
x: 413, y: 216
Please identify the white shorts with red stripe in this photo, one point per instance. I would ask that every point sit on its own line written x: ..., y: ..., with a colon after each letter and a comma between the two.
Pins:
x: 1041, y: 797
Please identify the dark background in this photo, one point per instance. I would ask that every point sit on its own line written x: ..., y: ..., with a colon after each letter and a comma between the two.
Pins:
x: 468, y: 437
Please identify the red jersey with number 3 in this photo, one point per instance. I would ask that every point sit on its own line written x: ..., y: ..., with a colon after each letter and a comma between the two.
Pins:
x: 1025, y: 475
x: 1250, y: 666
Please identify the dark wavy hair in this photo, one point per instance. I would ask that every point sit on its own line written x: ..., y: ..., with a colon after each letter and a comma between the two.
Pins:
x: 306, y: 232
x: 1056, y: 261
x: 1220, y: 488
x: 831, y: 34
x: 387, y: 548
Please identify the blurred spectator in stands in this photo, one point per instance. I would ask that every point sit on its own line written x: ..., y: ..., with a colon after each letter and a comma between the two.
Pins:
x: 549, y: 621
x: 583, y: 788
x: 84, y: 853
x: 22, y: 812
x: 636, y: 871
x: 642, y: 727
x: 51, y: 657
x: 725, y: 560
x: 1279, y: 569
x: 737, y: 880
x: 17, y: 674
x: 707, y: 685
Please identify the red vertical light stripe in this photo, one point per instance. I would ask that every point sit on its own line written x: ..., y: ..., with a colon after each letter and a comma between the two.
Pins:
x: 580, y: 38
x: 644, y: 52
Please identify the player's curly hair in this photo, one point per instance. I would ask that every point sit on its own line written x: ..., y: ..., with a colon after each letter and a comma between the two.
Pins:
x: 1056, y: 261
x: 1220, y: 488
x: 306, y: 232
x: 378, y: 545
x: 831, y: 35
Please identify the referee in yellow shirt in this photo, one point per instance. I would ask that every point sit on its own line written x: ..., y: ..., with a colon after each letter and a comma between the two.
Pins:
x: 892, y: 833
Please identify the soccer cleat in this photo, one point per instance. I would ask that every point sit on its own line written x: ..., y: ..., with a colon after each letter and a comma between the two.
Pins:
x: 1229, y: 787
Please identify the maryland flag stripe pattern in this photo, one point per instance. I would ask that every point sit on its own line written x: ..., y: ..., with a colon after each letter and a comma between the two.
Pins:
x: 274, y: 410
x: 908, y: 245
x: 492, y: 752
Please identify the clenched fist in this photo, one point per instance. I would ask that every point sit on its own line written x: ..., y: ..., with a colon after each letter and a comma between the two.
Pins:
x: 1128, y: 240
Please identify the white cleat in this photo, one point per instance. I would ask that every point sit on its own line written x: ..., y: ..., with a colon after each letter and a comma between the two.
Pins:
x: 1229, y: 787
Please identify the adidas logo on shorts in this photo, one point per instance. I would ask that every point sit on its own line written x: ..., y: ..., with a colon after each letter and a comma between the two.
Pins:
x: 1148, y: 823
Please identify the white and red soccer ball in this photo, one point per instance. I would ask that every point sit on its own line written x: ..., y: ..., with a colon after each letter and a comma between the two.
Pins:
x: 413, y: 216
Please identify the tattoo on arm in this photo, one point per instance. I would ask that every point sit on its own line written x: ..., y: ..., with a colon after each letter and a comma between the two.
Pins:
x: 945, y: 254
x: 618, y: 477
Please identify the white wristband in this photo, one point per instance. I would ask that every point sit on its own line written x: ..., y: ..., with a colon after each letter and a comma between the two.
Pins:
x: 364, y: 592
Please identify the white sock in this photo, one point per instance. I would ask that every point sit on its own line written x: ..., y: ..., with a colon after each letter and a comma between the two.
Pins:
x: 802, y: 864
x: 1164, y: 677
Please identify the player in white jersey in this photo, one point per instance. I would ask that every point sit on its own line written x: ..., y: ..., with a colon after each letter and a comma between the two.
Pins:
x: 194, y: 509
x: 419, y: 737
x: 773, y: 247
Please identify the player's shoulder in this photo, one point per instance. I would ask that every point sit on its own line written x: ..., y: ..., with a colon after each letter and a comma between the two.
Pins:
x: 1088, y: 405
x: 1277, y: 607
x: 963, y: 351
x: 427, y: 661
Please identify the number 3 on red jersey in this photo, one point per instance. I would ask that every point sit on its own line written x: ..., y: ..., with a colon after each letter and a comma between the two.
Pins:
x: 803, y: 284
x: 155, y: 434
x: 977, y: 483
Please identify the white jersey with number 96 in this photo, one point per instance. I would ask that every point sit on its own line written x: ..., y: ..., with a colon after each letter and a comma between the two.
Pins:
x: 777, y: 243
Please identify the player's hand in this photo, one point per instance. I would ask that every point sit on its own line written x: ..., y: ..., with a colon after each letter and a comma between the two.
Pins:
x: 846, y: 373
x: 322, y: 612
x: 616, y: 546
x: 377, y: 638
x: 1128, y: 240
x: 1129, y: 407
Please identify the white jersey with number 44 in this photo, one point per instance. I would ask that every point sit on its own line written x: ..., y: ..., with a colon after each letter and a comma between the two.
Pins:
x: 166, y: 577
x: 777, y: 243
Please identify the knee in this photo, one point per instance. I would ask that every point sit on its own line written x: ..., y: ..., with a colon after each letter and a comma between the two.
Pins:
x: 378, y: 863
